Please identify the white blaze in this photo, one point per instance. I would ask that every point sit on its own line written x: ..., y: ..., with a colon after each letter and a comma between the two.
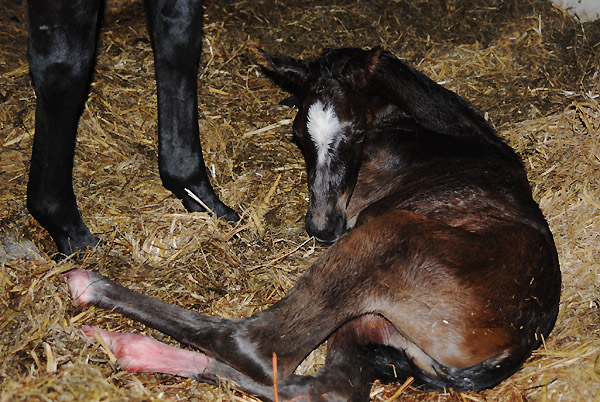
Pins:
x: 324, y: 127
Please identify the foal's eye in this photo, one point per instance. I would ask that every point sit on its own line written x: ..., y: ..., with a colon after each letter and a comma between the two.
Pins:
x: 320, y: 89
x: 358, y: 137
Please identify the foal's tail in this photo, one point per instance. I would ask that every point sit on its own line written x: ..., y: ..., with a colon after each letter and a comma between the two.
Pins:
x: 389, y: 364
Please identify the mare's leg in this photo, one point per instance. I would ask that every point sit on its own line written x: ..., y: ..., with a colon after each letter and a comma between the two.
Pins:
x: 176, y: 31
x: 61, y: 53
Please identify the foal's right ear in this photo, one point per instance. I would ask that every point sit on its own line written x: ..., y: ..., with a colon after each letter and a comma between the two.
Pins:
x: 290, y: 74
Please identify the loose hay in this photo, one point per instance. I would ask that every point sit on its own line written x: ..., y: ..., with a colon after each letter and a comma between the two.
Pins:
x: 529, y: 67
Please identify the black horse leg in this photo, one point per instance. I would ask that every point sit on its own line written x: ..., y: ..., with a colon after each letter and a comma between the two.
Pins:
x: 176, y: 32
x: 61, y: 53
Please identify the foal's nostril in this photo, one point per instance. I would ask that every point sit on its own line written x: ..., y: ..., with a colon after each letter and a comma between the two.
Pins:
x: 313, y: 228
x: 324, y: 236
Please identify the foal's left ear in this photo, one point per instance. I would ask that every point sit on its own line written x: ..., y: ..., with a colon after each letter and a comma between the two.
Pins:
x: 364, y: 67
x: 373, y: 59
x: 291, y: 74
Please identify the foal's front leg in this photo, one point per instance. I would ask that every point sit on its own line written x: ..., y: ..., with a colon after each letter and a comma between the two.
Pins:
x: 176, y: 31
x: 136, y: 353
x: 241, y: 351
x: 232, y: 353
x: 228, y: 340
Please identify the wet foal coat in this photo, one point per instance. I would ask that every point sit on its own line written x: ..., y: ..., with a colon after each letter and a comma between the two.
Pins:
x: 442, y: 267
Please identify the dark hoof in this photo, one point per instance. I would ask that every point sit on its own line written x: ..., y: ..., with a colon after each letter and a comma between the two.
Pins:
x: 194, y: 203
x: 75, y: 245
x: 228, y: 214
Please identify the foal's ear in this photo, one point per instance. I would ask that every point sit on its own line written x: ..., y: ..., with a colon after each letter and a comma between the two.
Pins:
x: 291, y: 74
x: 373, y: 59
x: 364, y: 66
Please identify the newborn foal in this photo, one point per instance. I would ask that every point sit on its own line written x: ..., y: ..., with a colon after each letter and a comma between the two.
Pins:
x: 442, y: 267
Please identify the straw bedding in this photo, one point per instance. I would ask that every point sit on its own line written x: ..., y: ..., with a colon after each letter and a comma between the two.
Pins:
x: 530, y: 68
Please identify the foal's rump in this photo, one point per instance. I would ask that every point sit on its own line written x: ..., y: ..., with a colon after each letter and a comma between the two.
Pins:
x: 466, y: 308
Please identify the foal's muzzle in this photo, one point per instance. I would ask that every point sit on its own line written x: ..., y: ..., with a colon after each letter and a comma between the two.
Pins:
x: 327, y: 227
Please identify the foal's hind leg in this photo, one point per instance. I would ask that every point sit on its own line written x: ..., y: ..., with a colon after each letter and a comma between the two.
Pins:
x: 176, y: 31
x: 246, y: 345
x: 233, y: 355
x: 349, y: 372
x: 342, y: 379
x: 136, y: 353
x: 61, y: 53
x: 330, y: 293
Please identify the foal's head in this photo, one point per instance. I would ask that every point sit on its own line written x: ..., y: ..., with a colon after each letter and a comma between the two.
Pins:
x: 330, y: 128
